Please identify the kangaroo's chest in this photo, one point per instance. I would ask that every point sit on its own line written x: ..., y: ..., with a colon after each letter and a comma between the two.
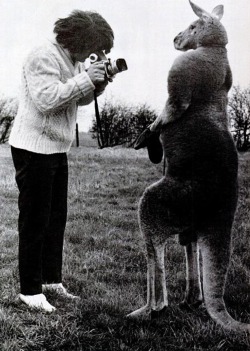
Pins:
x: 209, y: 77
x: 202, y: 72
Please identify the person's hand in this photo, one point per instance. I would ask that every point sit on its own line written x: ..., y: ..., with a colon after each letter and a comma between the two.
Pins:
x: 100, y: 87
x: 96, y: 72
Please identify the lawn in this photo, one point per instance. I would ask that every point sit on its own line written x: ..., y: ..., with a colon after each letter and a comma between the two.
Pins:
x: 104, y: 262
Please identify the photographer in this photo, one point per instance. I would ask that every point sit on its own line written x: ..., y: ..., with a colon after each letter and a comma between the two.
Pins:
x: 54, y: 84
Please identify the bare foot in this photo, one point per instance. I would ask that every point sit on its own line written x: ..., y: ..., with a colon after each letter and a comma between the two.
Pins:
x: 37, y: 301
x: 60, y: 290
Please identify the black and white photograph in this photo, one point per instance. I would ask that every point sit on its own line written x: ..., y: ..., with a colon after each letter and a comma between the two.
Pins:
x: 125, y: 175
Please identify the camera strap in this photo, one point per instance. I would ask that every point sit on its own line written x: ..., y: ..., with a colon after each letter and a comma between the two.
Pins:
x: 100, y: 138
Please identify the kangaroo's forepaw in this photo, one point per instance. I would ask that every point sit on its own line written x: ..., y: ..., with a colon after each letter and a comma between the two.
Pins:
x: 143, y: 139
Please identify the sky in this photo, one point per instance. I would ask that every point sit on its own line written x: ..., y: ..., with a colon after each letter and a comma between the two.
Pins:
x: 144, y: 32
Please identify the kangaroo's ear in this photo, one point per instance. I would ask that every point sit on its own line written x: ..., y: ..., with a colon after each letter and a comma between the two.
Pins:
x: 218, y: 12
x: 202, y: 14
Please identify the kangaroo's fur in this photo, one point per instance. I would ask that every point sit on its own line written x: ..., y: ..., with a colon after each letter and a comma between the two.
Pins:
x: 197, y: 196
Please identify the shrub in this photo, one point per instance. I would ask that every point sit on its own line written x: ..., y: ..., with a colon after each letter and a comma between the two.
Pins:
x: 8, y: 110
x: 121, y: 124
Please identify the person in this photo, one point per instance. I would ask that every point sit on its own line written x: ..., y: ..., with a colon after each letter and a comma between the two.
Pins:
x: 54, y: 83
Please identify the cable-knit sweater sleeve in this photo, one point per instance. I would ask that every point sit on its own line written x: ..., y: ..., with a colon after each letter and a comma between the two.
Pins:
x: 48, y: 87
x: 50, y: 92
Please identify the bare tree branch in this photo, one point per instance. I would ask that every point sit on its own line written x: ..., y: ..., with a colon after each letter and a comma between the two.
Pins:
x: 239, y: 113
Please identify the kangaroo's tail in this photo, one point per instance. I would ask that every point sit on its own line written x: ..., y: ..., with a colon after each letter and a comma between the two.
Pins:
x: 215, y: 251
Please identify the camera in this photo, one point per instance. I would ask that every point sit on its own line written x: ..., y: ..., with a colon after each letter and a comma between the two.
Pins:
x: 111, y: 67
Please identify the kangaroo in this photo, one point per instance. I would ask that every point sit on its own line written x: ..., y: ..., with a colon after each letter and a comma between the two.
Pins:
x: 197, y: 196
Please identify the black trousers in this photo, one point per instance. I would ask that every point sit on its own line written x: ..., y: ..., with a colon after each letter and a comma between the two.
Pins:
x: 42, y: 181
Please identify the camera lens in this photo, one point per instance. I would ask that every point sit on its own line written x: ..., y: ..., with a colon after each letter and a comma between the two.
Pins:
x: 121, y: 65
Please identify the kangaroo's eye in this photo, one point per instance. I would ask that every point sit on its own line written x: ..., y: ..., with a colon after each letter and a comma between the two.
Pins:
x: 192, y: 27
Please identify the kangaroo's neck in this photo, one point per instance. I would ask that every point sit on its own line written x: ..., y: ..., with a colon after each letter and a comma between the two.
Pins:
x: 215, y: 49
x: 212, y: 46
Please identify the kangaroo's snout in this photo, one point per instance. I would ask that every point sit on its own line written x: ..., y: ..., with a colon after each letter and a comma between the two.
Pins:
x: 177, y: 37
x: 179, y: 41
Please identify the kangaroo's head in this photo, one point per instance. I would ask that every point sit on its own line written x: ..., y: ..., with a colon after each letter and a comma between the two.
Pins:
x: 206, y: 31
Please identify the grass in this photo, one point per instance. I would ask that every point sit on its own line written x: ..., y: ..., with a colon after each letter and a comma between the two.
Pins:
x: 104, y: 263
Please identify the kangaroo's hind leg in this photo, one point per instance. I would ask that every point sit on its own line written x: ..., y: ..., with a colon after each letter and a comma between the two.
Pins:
x: 193, y: 294
x: 156, y: 284
x: 215, y: 251
x: 156, y: 226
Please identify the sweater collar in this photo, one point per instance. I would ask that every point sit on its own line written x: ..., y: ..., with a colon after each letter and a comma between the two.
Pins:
x: 67, y: 57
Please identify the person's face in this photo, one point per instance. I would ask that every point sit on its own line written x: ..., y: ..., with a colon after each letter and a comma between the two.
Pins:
x: 81, y: 57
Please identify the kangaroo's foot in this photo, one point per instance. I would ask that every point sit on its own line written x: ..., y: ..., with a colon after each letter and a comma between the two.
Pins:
x: 147, y: 312
x: 143, y: 312
x: 193, y: 298
x: 158, y: 314
x: 185, y: 305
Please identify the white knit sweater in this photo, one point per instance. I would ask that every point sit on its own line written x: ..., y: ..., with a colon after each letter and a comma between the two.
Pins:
x: 51, y: 90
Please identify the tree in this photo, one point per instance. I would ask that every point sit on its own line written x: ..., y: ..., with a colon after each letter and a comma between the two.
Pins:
x: 8, y: 111
x: 121, y: 124
x: 239, y: 113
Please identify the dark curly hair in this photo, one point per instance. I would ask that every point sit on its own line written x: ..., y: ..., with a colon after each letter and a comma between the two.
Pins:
x: 83, y: 30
